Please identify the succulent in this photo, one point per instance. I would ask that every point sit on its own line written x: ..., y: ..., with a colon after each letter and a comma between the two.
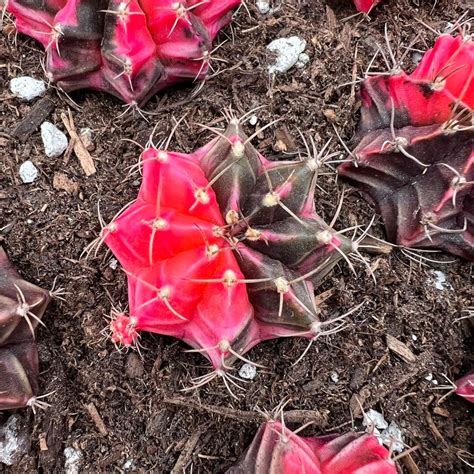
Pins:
x: 414, y: 157
x: 277, y: 450
x: 465, y: 387
x: 22, y: 305
x: 366, y: 6
x: 223, y: 249
x: 131, y: 49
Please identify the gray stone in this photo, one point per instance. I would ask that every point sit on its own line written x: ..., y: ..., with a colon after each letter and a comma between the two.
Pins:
x: 28, y: 172
x: 27, y: 88
x: 287, y: 51
x: 54, y: 141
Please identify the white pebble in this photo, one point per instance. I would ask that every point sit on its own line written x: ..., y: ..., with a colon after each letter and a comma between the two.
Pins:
x: 303, y: 60
x: 416, y: 58
x: 335, y: 377
x: 73, y: 460
x: 287, y: 52
x: 374, y: 418
x: 439, y: 279
x: 248, y: 371
x: 28, y: 172
x: 27, y: 88
x: 429, y: 377
x: 253, y: 120
x: 113, y: 263
x: 54, y: 141
x: 14, y: 440
x: 392, y: 438
x: 414, y: 337
x: 263, y: 6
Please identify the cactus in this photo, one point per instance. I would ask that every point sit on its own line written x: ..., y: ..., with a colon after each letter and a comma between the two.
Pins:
x: 414, y: 156
x: 366, y: 6
x: 22, y: 305
x: 276, y: 449
x: 131, y: 49
x: 223, y: 249
x: 465, y: 387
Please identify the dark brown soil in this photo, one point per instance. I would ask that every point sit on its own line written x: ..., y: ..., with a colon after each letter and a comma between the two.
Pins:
x: 44, y: 230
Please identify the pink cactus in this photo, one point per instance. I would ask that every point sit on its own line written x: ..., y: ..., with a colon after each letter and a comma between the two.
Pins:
x: 465, y: 387
x: 131, y: 49
x: 223, y: 249
x: 22, y: 305
x: 414, y: 157
x: 366, y: 6
x: 277, y: 450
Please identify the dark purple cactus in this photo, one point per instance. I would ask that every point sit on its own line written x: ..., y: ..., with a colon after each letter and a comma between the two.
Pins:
x: 414, y: 156
x: 22, y: 305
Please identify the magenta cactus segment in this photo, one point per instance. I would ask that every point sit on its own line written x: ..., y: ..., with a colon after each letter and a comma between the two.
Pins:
x: 129, y: 49
x: 22, y: 305
x: 277, y: 450
x: 223, y: 248
x: 464, y: 387
x: 414, y: 157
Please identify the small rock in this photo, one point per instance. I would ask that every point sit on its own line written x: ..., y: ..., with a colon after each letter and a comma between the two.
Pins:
x: 262, y: 6
x: 414, y: 337
x: 28, y: 172
x: 113, y: 263
x: 392, y: 438
x: 303, y: 60
x: 54, y: 141
x: 287, y: 52
x: 85, y: 134
x: 439, y: 280
x: 129, y: 465
x: 335, y: 377
x: 248, y: 371
x: 73, y: 460
x: 14, y: 440
x: 27, y: 88
x: 429, y: 377
x: 134, y: 367
x: 253, y: 120
x: 416, y: 58
x: 376, y: 419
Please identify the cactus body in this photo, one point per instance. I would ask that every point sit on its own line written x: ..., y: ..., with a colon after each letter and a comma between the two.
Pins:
x: 131, y: 49
x: 223, y: 248
x: 22, y: 305
x: 277, y: 450
x: 366, y: 6
x: 414, y: 157
x: 465, y: 387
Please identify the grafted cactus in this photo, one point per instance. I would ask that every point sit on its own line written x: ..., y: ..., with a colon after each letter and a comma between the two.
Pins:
x: 131, y: 49
x: 277, y: 450
x: 223, y: 249
x: 414, y: 157
x: 366, y: 6
x: 22, y: 305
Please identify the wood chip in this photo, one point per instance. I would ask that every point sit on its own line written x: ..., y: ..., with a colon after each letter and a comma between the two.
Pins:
x: 84, y: 157
x: 186, y: 454
x: 284, y: 140
x: 62, y: 183
x: 433, y: 427
x: 411, y: 466
x: 36, y: 116
x: 325, y: 295
x: 42, y: 442
x: 96, y: 418
x: 400, y: 349
x: 441, y: 411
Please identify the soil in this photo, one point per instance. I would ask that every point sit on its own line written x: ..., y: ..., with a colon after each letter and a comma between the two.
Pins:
x: 149, y: 424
